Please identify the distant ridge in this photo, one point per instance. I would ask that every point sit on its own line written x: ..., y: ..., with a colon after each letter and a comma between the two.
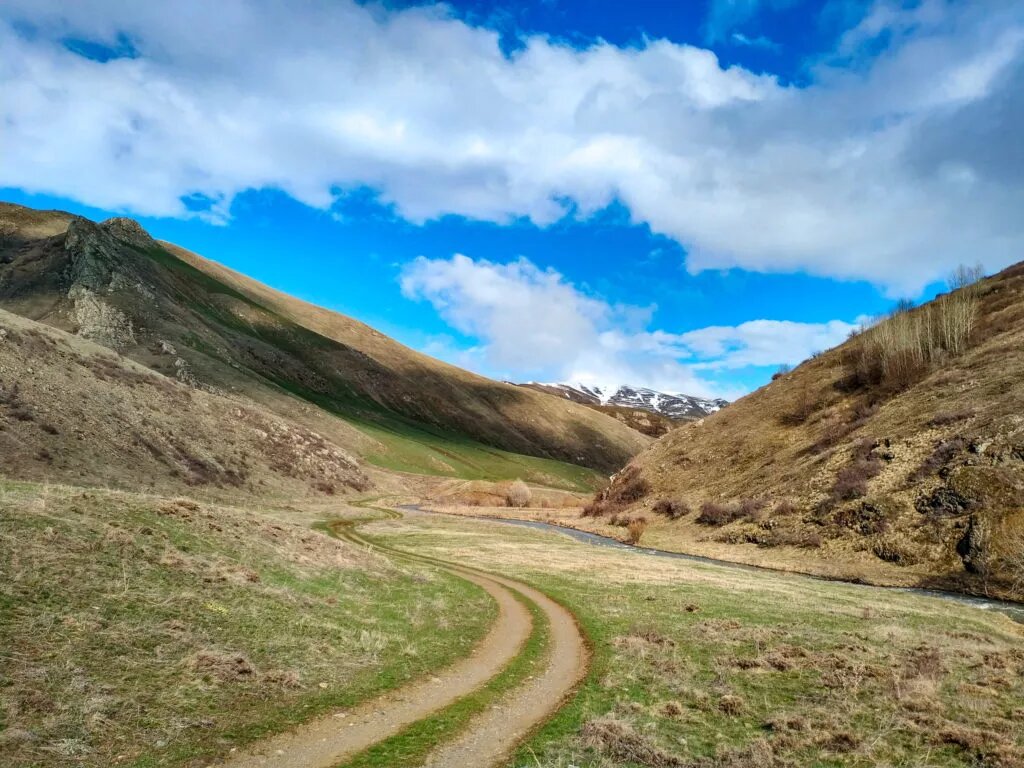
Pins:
x: 678, y: 407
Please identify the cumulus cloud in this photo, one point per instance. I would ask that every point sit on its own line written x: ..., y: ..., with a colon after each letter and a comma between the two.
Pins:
x: 898, y: 161
x: 531, y: 323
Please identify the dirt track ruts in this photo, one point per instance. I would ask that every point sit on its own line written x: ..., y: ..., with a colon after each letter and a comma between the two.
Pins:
x: 489, y: 737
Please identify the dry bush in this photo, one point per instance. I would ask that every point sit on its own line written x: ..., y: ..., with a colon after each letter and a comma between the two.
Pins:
x: 518, y: 494
x: 803, y: 407
x: 635, y: 529
x: 752, y: 509
x: 852, y: 481
x: 785, y: 507
x: 673, y: 510
x: 943, y: 418
x: 713, y: 513
x: 629, y: 487
x: 618, y: 740
x: 731, y: 705
x: 944, y: 453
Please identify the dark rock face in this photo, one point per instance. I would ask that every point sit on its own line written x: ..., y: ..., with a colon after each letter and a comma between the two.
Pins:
x: 973, y: 546
x: 944, y: 502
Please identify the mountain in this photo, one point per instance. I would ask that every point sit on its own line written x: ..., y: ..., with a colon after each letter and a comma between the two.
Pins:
x: 896, y: 457
x: 674, y: 407
x: 199, y: 323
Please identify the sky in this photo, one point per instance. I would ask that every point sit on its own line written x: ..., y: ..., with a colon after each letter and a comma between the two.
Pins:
x: 681, y: 194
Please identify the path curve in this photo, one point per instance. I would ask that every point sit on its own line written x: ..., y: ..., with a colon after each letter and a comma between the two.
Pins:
x: 490, y: 737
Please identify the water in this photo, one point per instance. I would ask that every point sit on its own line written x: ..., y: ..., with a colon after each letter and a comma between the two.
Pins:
x: 1014, y: 610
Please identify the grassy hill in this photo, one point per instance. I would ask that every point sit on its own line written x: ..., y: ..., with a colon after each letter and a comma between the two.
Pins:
x: 897, y: 456
x: 188, y: 318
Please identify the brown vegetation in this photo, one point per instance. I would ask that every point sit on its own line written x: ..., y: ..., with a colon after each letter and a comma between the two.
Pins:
x: 875, y: 456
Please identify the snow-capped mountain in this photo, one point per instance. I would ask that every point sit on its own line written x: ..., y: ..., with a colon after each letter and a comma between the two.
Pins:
x: 674, y: 406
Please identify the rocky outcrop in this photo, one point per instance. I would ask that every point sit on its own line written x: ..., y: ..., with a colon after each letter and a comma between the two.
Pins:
x: 128, y: 231
x: 99, y: 321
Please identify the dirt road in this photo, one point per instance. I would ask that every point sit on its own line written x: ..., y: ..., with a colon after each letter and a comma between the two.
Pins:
x: 490, y: 737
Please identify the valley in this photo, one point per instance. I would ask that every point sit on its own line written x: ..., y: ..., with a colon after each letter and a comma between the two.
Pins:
x: 275, y: 520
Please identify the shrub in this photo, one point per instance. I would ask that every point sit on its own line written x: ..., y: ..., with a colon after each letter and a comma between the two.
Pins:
x: 751, y: 509
x: 782, y: 371
x: 518, y: 494
x: 942, y: 418
x: 673, y: 510
x: 629, y: 487
x: 785, y: 507
x: 944, y: 453
x: 635, y: 529
x: 852, y: 481
x: 804, y: 406
x: 712, y: 513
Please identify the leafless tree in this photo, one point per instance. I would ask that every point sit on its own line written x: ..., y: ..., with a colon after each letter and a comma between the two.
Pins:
x: 518, y: 494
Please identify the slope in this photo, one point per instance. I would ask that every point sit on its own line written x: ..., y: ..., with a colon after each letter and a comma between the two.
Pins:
x: 187, y: 317
x: 898, y: 456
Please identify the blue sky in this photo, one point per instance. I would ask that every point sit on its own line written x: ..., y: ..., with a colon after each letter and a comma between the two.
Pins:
x: 679, y: 194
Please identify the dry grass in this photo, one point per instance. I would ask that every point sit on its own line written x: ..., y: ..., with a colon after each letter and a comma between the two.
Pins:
x: 948, y: 445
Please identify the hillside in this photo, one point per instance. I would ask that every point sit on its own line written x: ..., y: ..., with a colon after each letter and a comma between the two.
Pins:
x: 897, y: 456
x: 191, y: 319
x: 75, y: 412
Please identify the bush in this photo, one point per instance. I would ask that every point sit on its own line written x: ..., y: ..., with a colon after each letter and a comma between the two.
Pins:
x: 628, y: 488
x: 943, y: 418
x: 635, y: 529
x: 673, y: 510
x: 518, y: 494
x: 712, y: 513
x: 852, y: 481
x: 944, y: 453
x: 751, y: 509
x: 785, y: 507
x: 804, y: 406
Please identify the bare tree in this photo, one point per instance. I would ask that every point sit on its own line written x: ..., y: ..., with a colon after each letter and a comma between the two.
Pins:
x: 964, y: 276
x: 518, y: 494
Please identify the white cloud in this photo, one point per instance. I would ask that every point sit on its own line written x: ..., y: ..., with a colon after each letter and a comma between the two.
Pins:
x: 533, y: 324
x: 760, y: 41
x: 891, y: 166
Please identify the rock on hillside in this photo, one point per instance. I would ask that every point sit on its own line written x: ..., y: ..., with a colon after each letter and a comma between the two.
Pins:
x: 897, y: 457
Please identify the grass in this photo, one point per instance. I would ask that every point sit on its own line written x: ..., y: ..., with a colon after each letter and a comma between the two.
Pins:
x: 698, y: 665
x: 405, y: 448
x: 225, y: 626
x: 410, y: 747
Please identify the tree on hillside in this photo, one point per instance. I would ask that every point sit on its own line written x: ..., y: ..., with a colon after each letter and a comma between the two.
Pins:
x: 518, y: 494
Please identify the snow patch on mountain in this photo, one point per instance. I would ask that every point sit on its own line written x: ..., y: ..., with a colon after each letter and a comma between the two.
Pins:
x: 672, y: 405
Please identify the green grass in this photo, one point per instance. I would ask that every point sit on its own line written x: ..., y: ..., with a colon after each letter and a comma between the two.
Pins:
x: 697, y: 665
x: 408, y: 449
x: 120, y: 616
